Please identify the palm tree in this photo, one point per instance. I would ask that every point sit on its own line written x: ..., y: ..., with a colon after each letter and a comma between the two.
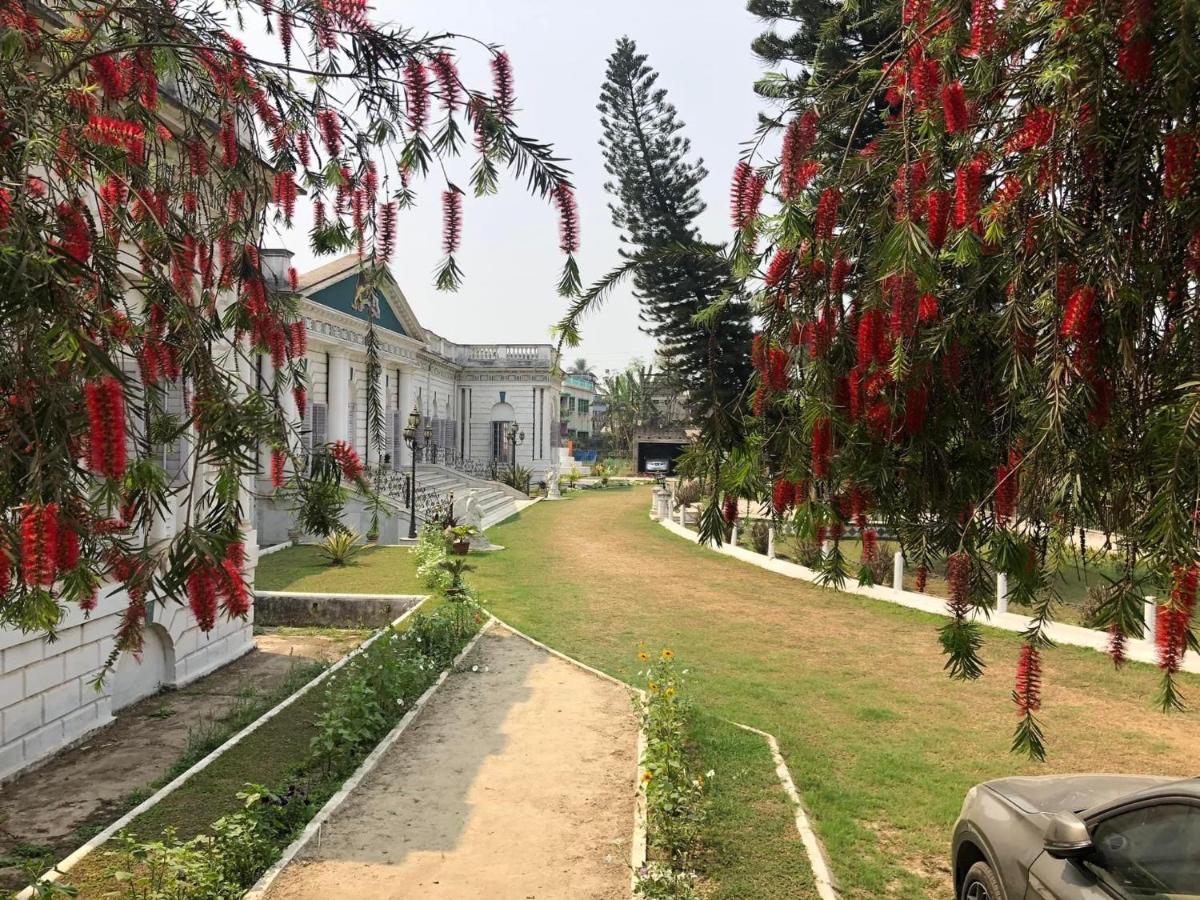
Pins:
x: 631, y: 404
x: 580, y: 367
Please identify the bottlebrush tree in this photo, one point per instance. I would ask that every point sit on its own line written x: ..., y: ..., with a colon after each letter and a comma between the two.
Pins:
x: 990, y: 311
x: 143, y: 149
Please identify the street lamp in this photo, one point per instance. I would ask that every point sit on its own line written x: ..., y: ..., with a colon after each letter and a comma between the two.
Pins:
x: 515, y: 436
x: 410, y: 441
x: 429, y: 445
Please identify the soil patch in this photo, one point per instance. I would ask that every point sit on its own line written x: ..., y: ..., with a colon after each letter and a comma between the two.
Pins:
x: 517, y: 780
x: 54, y: 808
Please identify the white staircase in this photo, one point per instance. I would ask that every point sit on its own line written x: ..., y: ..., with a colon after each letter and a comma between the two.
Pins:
x: 566, y: 462
x: 496, y: 501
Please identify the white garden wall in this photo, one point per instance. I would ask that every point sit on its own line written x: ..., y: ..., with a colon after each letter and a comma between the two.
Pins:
x: 47, y: 699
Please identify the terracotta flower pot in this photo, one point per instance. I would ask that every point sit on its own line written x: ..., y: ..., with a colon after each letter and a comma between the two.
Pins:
x: 460, y: 548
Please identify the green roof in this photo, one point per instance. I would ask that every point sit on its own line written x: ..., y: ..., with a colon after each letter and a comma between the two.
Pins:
x: 340, y: 296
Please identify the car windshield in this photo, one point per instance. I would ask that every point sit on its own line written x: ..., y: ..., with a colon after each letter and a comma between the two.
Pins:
x: 1150, y: 852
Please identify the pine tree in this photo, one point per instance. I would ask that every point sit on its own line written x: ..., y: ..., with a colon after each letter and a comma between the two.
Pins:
x: 657, y: 201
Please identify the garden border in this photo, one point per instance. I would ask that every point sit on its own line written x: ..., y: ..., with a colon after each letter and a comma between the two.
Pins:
x: 818, y: 857
x: 62, y: 868
x: 365, y: 768
x: 1142, y: 651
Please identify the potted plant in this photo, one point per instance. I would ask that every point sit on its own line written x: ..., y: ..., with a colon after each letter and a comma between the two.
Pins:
x: 459, y: 538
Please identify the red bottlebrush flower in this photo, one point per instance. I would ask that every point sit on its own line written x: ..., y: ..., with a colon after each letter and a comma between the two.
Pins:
x: 300, y: 395
x: 1179, y: 164
x: 822, y: 441
x: 939, y: 212
x: 780, y: 269
x: 76, y: 242
x: 197, y: 156
x: 758, y: 352
x: 1101, y: 408
x: 329, y: 126
x: 278, y: 459
x: 446, y: 74
x: 903, y: 291
x: 729, y: 510
x: 502, y: 84
x: 118, y: 133
x: 286, y: 34
x: 304, y: 149
x: 39, y: 544
x: 927, y: 309
x: 1005, y: 495
x: 568, y: 218
x: 416, y: 95
x: 1133, y: 60
x: 148, y: 363
x: 983, y: 28
x: 105, y: 400
x: 952, y: 366
x: 870, y: 545
x: 387, y: 230
x: 746, y: 195
x: 451, y: 221
x: 109, y: 76
x: 1117, y: 646
x: 297, y: 339
x: 759, y: 404
x: 278, y: 344
x: 202, y: 595
x: 235, y: 597
x: 1036, y: 130
x: 922, y: 578
x: 347, y: 458
x: 777, y: 369
x: 958, y: 574
x: 968, y: 181
x: 67, y: 552
x: 227, y: 137
x: 783, y: 495
x: 1077, y: 313
x: 954, y: 107
x: 827, y: 213
x: 5, y: 207
x: 285, y: 193
x: 1028, y: 691
x: 916, y: 406
x: 797, y: 141
x: 872, y: 346
x: 837, y: 276
x: 1173, y: 621
x: 926, y: 80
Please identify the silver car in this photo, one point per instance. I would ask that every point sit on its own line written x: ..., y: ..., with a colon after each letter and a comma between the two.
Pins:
x: 1079, y: 837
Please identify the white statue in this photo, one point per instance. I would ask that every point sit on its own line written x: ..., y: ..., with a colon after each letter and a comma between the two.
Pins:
x: 552, y: 492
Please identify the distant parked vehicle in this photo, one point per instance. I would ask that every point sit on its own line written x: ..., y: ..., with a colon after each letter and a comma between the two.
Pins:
x: 654, y: 466
x: 1079, y: 837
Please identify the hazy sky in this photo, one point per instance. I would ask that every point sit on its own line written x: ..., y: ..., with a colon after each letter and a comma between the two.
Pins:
x: 510, y: 242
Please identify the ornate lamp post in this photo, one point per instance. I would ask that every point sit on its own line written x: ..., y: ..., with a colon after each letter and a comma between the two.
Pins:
x: 410, y: 441
x: 515, y: 436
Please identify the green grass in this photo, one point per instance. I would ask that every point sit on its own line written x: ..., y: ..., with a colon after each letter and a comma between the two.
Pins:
x: 374, y: 570
x: 881, y: 744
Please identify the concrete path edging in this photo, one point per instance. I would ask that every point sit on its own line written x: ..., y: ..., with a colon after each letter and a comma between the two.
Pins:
x: 1143, y: 651
x: 72, y: 860
x: 314, y: 826
x: 818, y: 859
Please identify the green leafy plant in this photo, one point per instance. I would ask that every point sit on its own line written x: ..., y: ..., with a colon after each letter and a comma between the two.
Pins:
x: 340, y: 547
x: 517, y: 477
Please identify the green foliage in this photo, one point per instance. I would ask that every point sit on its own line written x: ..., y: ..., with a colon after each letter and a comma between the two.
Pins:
x: 516, y: 477
x: 676, y: 802
x: 320, y: 498
x: 341, y: 547
x: 432, y: 554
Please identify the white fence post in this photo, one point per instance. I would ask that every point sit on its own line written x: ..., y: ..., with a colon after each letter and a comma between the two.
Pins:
x: 733, y: 534
x: 771, y: 542
x: 1001, y: 593
x: 826, y: 547
x: 1150, y: 617
x: 898, y: 571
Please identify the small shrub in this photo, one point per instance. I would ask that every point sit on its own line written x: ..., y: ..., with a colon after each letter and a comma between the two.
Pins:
x: 688, y: 492
x: 340, y: 547
x: 759, y: 535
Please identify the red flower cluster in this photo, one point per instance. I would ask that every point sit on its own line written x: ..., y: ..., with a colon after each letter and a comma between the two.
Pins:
x: 827, y: 213
x: 958, y: 573
x: 822, y: 444
x: 938, y: 203
x: 1037, y: 128
x: 778, y: 362
x: 568, y: 218
x: 954, y: 107
x: 202, y: 595
x: 1133, y: 57
x: 746, y: 195
x: 1117, y: 645
x: 284, y: 193
x: 1179, y: 164
x: 1077, y: 313
x: 40, y: 544
x: 502, y: 84
x: 347, y: 458
x: 416, y: 95
x: 446, y: 74
x: 1005, y: 496
x: 870, y: 545
x: 297, y: 339
x: 795, y: 172
x: 968, y: 183
x: 928, y: 309
x: 1173, y: 622
x: 780, y: 270
x: 837, y: 277
x: 922, y: 578
x: 119, y: 133
x: 278, y: 459
x: 451, y: 221
x: 300, y: 395
x: 1027, y: 693
x: 729, y: 510
x: 983, y: 28
x: 105, y: 400
x: 329, y: 126
x: 916, y: 407
x: 902, y: 289
x: 387, y: 230
x: 783, y: 495
x: 76, y: 242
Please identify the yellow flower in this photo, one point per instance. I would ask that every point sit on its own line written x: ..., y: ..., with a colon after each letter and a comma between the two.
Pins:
x: 643, y: 656
x: 646, y: 776
x: 668, y: 654
x: 653, y: 687
x: 670, y: 692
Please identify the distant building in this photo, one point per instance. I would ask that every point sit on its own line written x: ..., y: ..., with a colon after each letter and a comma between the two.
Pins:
x: 577, y: 406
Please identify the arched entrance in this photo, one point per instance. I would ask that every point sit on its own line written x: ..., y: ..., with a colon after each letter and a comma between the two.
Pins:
x: 502, y: 416
x: 137, y: 678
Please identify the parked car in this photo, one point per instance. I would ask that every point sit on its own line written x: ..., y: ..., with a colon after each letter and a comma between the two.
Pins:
x: 1079, y: 837
x: 655, y: 466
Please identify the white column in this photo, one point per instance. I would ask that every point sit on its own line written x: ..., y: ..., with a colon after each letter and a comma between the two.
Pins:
x: 898, y: 571
x: 339, y: 397
x: 1001, y: 592
x: 406, y: 407
x: 1150, y: 618
x: 770, y: 542
x: 733, y: 534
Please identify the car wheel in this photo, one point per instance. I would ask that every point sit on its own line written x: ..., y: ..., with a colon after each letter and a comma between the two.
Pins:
x: 981, y: 884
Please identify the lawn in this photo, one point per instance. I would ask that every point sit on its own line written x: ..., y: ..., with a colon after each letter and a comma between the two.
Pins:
x: 374, y: 570
x: 882, y: 745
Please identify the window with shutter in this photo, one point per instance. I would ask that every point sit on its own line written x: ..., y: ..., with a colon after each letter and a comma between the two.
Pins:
x: 306, y: 441
x: 352, y: 425
x: 397, y: 439
x: 319, y: 425
x: 173, y: 453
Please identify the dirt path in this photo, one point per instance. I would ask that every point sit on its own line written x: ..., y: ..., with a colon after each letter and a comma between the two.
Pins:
x: 516, y: 781
x: 54, y: 808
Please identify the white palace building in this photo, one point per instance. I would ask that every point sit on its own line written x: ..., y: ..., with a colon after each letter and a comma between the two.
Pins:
x: 472, y: 400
